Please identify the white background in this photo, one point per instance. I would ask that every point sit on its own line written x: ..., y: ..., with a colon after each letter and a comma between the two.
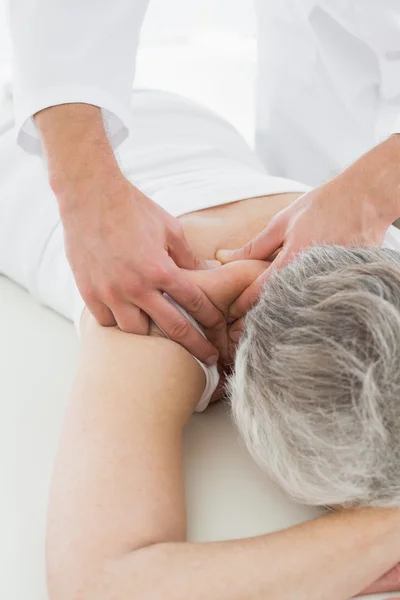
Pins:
x: 205, y: 49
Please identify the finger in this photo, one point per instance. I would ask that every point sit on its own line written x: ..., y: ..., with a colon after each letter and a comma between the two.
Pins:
x: 102, y: 313
x: 251, y: 295
x: 182, y: 253
x: 131, y: 319
x: 262, y: 246
x: 192, y: 298
x: 280, y: 261
x: 275, y: 254
x: 248, y: 298
x: 236, y: 331
x: 213, y: 264
x: 178, y: 328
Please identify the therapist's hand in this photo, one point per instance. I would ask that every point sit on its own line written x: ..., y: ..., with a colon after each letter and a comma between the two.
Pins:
x: 355, y: 208
x: 124, y: 250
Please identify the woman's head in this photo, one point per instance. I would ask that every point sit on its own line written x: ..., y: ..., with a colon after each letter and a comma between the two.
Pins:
x: 316, y: 389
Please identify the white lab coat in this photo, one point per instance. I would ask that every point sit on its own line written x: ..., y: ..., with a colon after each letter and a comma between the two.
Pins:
x: 328, y: 76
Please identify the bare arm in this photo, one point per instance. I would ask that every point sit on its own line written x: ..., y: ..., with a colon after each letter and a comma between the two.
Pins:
x: 117, y: 514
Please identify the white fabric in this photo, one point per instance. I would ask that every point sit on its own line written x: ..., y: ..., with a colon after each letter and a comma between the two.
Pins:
x: 329, y: 83
x: 211, y: 373
x: 67, y: 51
x: 329, y: 73
x: 183, y: 156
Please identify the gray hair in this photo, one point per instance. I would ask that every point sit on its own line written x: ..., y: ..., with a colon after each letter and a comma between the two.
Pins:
x: 316, y: 388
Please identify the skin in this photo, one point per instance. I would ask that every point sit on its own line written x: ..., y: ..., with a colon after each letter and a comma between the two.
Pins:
x: 124, y: 250
x: 355, y: 208
x: 117, y: 525
x: 122, y: 276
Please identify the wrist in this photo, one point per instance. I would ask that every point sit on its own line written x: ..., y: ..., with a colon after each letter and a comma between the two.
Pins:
x: 79, y: 156
x: 98, y: 195
x: 78, y: 188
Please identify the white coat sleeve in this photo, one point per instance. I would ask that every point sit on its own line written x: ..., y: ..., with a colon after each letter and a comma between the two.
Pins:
x: 68, y: 51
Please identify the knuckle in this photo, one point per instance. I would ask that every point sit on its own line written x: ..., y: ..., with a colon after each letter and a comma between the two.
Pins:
x: 248, y: 249
x: 159, y: 274
x: 135, y: 289
x: 219, y: 322
x: 179, y: 329
x: 197, y: 303
x: 111, y: 294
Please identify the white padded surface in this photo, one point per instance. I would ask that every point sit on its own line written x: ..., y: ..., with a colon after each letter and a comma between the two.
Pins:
x: 228, y: 496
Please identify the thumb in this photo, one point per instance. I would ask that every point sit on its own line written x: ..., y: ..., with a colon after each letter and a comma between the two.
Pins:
x: 262, y: 246
x: 251, y: 294
x: 236, y: 331
x: 248, y: 298
x: 183, y: 255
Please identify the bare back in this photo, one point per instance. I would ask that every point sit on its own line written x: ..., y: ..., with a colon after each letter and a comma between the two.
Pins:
x: 231, y: 225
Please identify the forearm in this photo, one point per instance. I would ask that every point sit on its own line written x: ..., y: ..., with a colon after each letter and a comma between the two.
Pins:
x: 118, y: 481
x: 117, y: 516
x: 78, y: 153
x: 332, y: 558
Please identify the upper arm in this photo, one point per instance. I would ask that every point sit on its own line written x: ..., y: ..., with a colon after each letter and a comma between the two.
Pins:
x: 118, y: 478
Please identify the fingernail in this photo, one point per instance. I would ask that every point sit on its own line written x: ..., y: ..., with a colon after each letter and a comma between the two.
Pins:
x: 213, y: 264
x: 212, y: 360
x: 235, y: 336
x: 233, y: 314
x: 224, y: 255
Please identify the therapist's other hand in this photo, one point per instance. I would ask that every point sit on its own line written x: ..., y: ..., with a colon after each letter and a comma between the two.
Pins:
x: 355, y: 208
x: 124, y: 250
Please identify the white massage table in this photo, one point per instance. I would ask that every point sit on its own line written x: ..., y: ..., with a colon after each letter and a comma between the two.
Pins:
x: 227, y: 494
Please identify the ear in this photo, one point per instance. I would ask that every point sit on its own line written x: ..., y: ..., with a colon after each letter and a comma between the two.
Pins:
x: 224, y: 284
